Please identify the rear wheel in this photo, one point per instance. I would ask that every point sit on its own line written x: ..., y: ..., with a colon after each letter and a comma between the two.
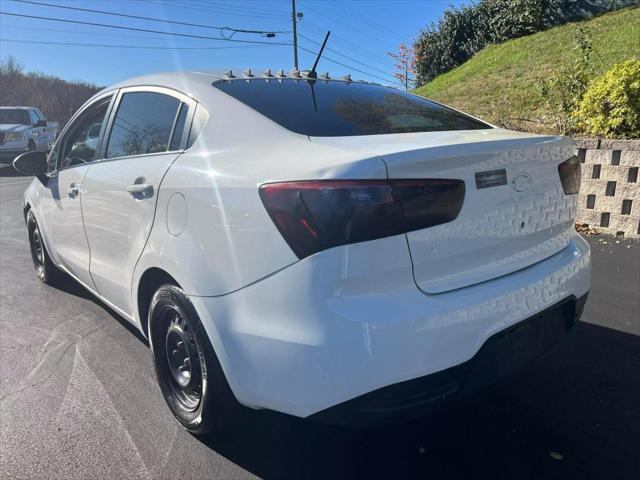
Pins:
x: 187, y: 368
x: 45, y: 268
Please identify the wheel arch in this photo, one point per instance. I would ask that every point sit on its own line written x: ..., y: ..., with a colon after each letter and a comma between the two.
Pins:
x: 25, y: 211
x: 152, y: 279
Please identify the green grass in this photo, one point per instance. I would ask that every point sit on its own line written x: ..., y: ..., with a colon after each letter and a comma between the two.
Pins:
x: 501, y: 83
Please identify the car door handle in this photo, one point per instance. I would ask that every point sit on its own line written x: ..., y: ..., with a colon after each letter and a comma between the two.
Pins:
x: 73, y: 190
x: 145, y: 188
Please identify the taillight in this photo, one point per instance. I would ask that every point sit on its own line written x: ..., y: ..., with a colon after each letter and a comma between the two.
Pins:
x: 317, y: 215
x: 570, y: 174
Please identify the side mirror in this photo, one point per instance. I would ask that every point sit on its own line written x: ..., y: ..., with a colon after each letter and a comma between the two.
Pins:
x: 41, y: 123
x: 32, y: 163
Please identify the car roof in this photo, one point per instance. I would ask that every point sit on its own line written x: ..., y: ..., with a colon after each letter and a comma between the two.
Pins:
x: 181, y: 80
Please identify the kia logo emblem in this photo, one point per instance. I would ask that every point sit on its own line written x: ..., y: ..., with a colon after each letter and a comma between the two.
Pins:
x: 521, y: 182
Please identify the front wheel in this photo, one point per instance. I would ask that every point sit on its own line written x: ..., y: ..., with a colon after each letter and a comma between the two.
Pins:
x: 45, y: 268
x: 188, y: 371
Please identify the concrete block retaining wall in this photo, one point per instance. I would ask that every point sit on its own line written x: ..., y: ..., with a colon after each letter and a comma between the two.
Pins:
x: 609, y: 198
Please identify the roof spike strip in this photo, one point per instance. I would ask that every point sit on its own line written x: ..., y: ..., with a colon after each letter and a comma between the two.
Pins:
x: 267, y: 73
x: 325, y: 76
x: 295, y: 73
x: 229, y: 74
x: 347, y: 78
x: 280, y: 74
x: 247, y: 73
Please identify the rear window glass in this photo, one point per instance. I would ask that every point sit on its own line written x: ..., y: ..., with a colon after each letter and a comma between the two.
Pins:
x: 334, y: 108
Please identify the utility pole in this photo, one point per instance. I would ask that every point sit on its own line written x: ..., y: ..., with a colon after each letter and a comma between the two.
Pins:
x: 295, y: 34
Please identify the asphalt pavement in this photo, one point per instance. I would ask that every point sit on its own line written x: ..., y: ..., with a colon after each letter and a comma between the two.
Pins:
x: 78, y: 397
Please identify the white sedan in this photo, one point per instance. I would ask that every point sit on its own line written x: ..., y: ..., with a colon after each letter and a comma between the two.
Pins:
x: 325, y: 248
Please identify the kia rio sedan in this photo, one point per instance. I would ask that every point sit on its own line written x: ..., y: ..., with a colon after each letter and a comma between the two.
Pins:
x: 326, y: 248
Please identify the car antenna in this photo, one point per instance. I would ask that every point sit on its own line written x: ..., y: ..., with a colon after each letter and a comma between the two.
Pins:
x: 312, y: 73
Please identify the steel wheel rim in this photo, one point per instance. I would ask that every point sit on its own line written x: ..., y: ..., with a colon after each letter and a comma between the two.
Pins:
x: 183, y: 359
x: 37, y: 249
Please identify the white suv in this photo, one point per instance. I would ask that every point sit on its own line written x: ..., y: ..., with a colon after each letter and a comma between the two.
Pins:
x: 325, y: 248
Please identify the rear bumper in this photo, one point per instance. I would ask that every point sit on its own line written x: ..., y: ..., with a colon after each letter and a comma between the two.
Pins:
x: 350, y: 321
x: 502, y: 355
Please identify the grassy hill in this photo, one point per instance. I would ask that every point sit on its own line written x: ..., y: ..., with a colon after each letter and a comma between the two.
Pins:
x: 501, y: 83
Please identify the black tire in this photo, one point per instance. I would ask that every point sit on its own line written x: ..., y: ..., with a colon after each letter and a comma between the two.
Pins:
x: 189, y: 375
x: 45, y: 268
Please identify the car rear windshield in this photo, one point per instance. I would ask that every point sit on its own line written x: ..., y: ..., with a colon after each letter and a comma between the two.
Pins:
x: 16, y: 116
x: 338, y: 108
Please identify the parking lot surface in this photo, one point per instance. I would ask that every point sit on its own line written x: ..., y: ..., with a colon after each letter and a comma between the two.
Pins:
x: 78, y: 397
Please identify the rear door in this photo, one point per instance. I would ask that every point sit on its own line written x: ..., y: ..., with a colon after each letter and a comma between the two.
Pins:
x: 145, y: 135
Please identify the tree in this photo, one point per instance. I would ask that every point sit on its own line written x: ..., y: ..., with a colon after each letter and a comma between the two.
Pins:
x: 58, y: 99
x: 405, y: 65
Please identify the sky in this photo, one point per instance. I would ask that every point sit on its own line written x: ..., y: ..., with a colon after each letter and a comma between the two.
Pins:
x: 362, y: 33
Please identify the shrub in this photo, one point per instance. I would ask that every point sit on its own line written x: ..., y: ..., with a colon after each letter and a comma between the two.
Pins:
x: 564, y: 88
x: 611, y: 105
x: 462, y: 32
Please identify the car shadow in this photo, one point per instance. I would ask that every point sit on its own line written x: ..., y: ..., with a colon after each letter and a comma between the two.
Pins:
x: 7, y: 170
x: 574, y: 414
x: 69, y: 285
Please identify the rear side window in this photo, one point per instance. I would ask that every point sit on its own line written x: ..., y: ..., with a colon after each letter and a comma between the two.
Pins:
x: 176, y: 138
x: 335, y: 108
x: 143, y: 124
x: 199, y: 119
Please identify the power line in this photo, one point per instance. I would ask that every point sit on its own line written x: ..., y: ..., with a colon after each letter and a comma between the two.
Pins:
x: 134, y: 29
x: 374, y: 56
x: 377, y: 39
x: 105, y: 45
x: 346, y: 56
x: 139, y: 17
x: 230, y: 7
x: 159, y: 32
x: 207, y: 8
x: 82, y: 32
x: 363, y: 18
x: 342, y: 64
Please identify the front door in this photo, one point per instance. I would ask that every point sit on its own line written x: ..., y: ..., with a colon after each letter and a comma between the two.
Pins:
x: 120, y: 191
x: 70, y: 161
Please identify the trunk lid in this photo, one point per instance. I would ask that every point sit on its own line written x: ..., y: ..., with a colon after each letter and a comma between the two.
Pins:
x: 515, y: 212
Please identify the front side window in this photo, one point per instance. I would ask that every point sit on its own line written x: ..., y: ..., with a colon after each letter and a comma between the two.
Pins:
x: 143, y: 124
x: 80, y: 143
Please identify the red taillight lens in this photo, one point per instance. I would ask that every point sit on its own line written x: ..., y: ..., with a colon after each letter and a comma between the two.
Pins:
x: 317, y: 215
x: 570, y: 173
